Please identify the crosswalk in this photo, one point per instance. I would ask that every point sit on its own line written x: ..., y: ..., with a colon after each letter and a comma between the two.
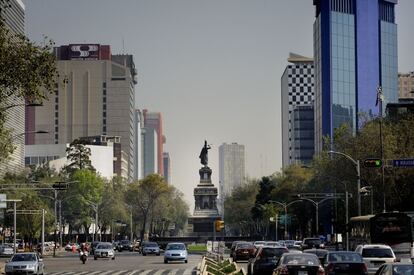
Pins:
x: 188, y: 271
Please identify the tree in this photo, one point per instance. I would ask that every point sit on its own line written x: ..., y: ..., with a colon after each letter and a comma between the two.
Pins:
x: 27, y: 72
x: 78, y: 155
x: 237, y: 208
x: 144, y: 196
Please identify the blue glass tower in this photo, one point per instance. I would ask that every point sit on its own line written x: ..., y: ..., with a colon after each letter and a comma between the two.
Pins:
x: 355, y: 51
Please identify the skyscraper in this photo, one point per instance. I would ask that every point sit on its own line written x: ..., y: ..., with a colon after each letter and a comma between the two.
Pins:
x: 297, y: 89
x: 138, y: 158
x: 355, y: 51
x: 150, y: 145
x: 13, y: 14
x: 154, y: 120
x: 231, y: 168
x: 95, y: 96
x: 167, y: 167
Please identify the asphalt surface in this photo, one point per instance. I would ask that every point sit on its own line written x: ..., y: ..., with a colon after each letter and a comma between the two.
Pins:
x: 131, y: 263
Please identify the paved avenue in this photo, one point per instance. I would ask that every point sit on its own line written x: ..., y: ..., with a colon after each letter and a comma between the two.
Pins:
x: 188, y: 271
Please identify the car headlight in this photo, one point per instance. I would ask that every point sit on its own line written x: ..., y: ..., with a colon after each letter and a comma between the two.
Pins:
x: 31, y: 266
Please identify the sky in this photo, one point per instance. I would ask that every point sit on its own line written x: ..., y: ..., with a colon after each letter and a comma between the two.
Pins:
x: 211, y: 67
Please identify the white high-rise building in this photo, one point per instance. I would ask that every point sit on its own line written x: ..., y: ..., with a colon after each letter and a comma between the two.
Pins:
x: 13, y: 14
x: 138, y: 158
x: 231, y: 169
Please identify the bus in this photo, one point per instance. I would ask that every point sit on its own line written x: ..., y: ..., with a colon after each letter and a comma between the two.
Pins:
x: 393, y: 229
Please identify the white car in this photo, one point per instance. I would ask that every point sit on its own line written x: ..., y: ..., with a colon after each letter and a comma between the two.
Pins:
x: 25, y: 263
x: 104, y: 250
x: 375, y: 255
x: 175, y: 252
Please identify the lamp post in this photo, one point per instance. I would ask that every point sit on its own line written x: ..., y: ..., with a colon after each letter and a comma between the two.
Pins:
x: 3, y: 109
x: 285, y: 206
x: 95, y: 208
x: 358, y: 171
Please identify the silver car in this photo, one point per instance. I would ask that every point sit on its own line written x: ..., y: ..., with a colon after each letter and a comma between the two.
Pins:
x: 175, y: 252
x: 104, y: 250
x: 24, y: 263
x: 6, y: 250
x: 150, y: 248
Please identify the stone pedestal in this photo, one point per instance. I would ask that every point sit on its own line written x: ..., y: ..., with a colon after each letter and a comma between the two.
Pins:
x: 201, y: 223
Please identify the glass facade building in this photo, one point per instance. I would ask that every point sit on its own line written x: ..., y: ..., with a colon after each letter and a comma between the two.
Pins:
x: 303, y: 134
x: 355, y: 50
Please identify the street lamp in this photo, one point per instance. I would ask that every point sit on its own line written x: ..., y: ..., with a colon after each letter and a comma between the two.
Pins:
x: 358, y: 170
x: 285, y: 206
x: 95, y: 208
x: 30, y: 132
x: 17, y: 105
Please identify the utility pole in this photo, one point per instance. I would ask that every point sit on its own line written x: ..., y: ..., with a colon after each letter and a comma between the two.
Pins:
x: 43, y: 231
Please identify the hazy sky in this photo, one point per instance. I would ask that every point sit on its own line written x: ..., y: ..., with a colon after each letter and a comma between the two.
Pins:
x: 211, y: 67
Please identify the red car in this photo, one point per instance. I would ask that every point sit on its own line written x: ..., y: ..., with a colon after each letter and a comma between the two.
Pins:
x: 244, y: 251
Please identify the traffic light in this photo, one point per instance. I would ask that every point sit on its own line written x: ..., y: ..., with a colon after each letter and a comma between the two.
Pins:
x: 219, y: 225
x: 373, y: 163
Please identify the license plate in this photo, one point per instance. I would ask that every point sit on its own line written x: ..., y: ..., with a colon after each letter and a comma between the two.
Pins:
x: 302, y: 273
x: 105, y: 254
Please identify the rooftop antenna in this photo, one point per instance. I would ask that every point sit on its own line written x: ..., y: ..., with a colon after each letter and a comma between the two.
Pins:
x: 123, y: 46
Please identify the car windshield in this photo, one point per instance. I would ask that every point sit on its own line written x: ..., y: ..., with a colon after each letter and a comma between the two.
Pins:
x: 244, y: 245
x: 151, y: 245
x: 104, y: 246
x: 300, y: 259
x: 403, y: 269
x: 377, y: 253
x: 345, y: 257
x: 24, y: 258
x: 175, y: 247
x: 273, y: 252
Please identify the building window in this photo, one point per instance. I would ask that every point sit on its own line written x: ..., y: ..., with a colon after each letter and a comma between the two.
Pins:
x: 56, y: 129
x: 56, y: 107
x: 56, y: 114
x: 104, y: 84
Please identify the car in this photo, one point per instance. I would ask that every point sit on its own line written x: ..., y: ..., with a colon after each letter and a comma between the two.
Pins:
x: 309, y: 243
x: 24, y: 263
x: 125, y: 245
x: 271, y: 243
x: 233, y: 247
x: 375, y: 255
x: 265, y: 260
x: 175, y: 252
x: 6, y: 250
x: 299, y: 263
x: 321, y: 253
x: 150, y: 248
x: 396, y: 269
x: 71, y: 247
x: 104, y: 250
x: 297, y: 244
x: 289, y: 243
x: 244, y: 251
x: 344, y: 262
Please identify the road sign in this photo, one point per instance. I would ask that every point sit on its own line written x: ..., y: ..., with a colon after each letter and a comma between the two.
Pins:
x: 3, y: 203
x: 403, y: 162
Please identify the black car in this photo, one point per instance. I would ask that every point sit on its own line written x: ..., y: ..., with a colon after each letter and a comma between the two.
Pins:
x: 321, y: 253
x: 124, y: 245
x: 265, y: 260
x: 309, y: 243
x: 345, y: 262
x: 396, y: 269
x: 298, y: 263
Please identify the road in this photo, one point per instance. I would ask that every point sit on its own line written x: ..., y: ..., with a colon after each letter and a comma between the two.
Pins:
x: 126, y: 263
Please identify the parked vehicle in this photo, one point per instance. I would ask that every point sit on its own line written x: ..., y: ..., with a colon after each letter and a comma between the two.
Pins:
x: 24, y: 263
x: 396, y: 269
x: 258, y: 244
x: 244, y: 251
x: 345, y: 262
x: 375, y: 255
x: 265, y: 260
x: 104, y: 250
x: 300, y: 264
x: 175, y: 252
x: 150, y: 248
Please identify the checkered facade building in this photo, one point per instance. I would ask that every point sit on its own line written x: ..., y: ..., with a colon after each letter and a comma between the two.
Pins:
x: 297, y: 90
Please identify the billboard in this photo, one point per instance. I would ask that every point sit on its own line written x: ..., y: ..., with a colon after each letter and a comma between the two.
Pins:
x: 84, y: 51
